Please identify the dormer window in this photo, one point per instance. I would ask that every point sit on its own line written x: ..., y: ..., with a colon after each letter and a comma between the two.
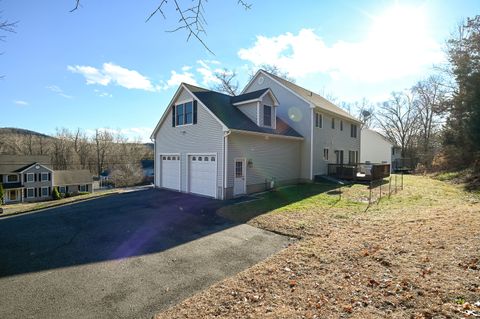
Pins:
x: 267, y: 115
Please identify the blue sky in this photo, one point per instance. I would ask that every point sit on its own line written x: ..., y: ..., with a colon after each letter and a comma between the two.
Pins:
x: 102, y: 66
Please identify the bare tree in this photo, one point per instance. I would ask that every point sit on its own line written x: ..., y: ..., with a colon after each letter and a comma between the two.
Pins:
x: 6, y: 26
x: 398, y: 118
x: 431, y: 96
x: 228, y: 83
x: 191, y: 17
x: 102, y: 143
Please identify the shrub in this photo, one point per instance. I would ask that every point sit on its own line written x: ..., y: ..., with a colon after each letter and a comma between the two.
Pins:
x: 2, y: 193
x: 56, y: 194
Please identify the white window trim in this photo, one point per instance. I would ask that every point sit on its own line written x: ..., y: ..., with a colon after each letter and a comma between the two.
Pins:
x: 187, y: 177
x: 80, y: 188
x: 41, y: 190
x: 180, y: 103
x: 33, y: 192
x: 41, y: 177
x: 33, y: 179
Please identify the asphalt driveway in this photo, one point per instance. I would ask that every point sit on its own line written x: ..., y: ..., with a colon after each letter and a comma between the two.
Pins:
x: 123, y: 256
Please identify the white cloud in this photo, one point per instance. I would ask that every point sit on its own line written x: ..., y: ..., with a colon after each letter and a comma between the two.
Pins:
x: 111, y: 73
x: 207, y: 72
x: 177, y: 78
x: 102, y: 93
x: 21, y: 103
x: 397, y: 45
x: 59, y: 91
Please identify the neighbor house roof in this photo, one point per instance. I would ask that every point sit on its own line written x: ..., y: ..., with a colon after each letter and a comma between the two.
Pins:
x: 311, y: 97
x: 72, y: 177
x: 18, y: 163
x: 221, y: 105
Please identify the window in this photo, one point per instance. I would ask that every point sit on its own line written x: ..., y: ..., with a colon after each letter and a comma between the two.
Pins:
x: 45, y: 177
x: 238, y: 169
x: 12, y: 178
x: 44, y: 191
x: 325, y: 154
x: 83, y: 188
x: 351, y: 157
x: 212, y: 159
x: 184, y: 113
x: 318, y: 120
x: 341, y: 125
x: 194, y: 158
x: 353, y: 130
x: 164, y: 157
x: 267, y: 115
x: 61, y: 189
x: 200, y: 158
x: 30, y: 193
x: 333, y: 123
x: 30, y: 177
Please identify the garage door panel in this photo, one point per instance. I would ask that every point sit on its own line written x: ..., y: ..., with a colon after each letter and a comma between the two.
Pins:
x: 170, y: 171
x: 202, y: 175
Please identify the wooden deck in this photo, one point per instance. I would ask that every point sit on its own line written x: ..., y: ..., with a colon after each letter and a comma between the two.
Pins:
x: 359, y: 171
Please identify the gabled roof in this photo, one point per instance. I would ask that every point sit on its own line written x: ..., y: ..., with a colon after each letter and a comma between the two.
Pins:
x: 18, y: 163
x: 222, y: 107
x: 248, y: 96
x: 309, y: 96
x: 72, y: 177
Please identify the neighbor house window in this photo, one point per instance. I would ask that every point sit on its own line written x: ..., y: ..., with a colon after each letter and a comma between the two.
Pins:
x: 353, y: 130
x: 267, y: 115
x: 325, y: 154
x: 184, y: 113
x: 318, y: 120
x: 30, y: 177
x: 44, y: 191
x: 45, y: 177
x: 341, y: 125
x: 333, y: 123
x: 12, y: 178
x: 83, y: 188
x: 30, y: 193
x: 61, y: 189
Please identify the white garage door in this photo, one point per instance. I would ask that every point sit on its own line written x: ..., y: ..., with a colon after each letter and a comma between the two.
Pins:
x: 170, y: 171
x: 202, y: 174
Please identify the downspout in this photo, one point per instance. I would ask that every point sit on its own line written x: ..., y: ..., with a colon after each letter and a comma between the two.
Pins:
x: 225, y: 161
x: 311, y: 141
x: 154, y: 162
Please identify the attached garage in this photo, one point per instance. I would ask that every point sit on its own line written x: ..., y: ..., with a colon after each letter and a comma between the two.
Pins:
x: 202, y: 174
x: 170, y: 171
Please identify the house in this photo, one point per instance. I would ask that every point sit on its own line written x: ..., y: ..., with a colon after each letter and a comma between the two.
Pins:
x: 375, y: 148
x: 275, y: 133
x: 31, y: 178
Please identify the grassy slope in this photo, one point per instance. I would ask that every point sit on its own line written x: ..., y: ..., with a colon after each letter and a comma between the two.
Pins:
x: 414, y: 254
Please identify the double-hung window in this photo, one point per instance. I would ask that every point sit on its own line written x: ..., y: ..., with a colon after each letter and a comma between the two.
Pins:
x: 184, y: 113
x: 12, y: 178
x: 45, y: 177
x: 267, y: 115
x: 30, y: 177
x: 325, y: 154
x: 353, y: 130
x: 333, y: 123
x: 318, y: 120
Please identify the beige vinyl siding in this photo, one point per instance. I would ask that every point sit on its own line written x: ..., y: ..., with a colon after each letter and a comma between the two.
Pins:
x: 271, y: 157
x: 204, y: 137
x: 333, y: 139
x: 295, y: 112
x: 250, y: 110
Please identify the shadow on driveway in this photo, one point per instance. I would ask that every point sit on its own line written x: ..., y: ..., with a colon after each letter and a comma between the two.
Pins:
x: 109, y: 228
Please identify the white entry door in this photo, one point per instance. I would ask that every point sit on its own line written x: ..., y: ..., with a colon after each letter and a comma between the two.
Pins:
x: 202, y: 174
x: 239, y: 177
x: 170, y: 171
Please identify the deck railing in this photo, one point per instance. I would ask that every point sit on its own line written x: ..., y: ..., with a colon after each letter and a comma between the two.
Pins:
x: 359, y: 171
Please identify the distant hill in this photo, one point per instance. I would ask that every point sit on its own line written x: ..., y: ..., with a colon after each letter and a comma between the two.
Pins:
x: 20, y: 131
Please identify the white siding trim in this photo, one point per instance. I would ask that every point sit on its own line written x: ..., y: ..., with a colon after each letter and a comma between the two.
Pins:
x: 258, y: 113
x: 267, y: 134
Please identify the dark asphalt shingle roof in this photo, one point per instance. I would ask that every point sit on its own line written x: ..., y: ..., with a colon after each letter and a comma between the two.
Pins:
x: 248, y: 96
x: 222, y: 106
x: 72, y: 177
x: 17, y: 163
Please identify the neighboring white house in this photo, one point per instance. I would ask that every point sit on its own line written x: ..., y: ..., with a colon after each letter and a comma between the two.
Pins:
x: 375, y: 147
x: 274, y: 133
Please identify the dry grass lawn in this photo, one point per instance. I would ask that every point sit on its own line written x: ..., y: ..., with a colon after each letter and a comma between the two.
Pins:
x: 413, y: 255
